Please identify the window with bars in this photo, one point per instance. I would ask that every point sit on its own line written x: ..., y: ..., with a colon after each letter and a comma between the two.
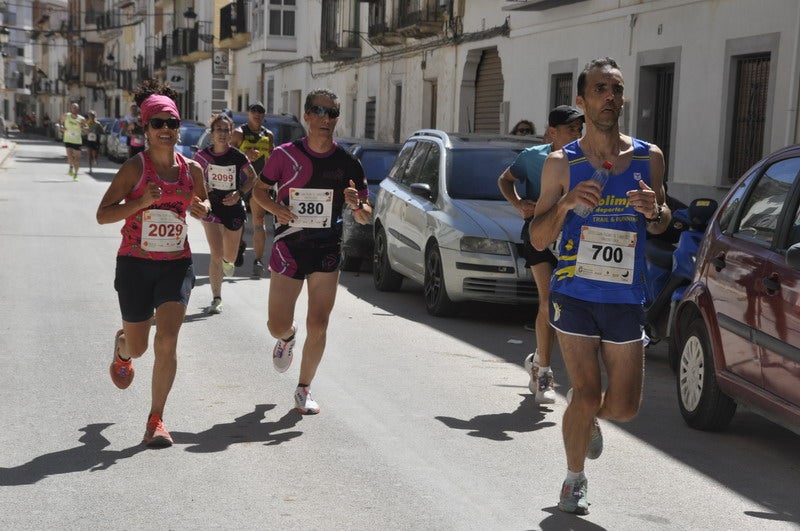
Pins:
x: 369, y: 118
x: 562, y: 90
x: 749, y: 113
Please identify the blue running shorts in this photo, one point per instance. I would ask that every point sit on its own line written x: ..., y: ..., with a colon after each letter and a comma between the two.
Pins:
x: 612, y: 323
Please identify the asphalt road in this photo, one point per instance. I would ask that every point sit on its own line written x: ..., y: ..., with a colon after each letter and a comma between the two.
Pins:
x: 426, y: 423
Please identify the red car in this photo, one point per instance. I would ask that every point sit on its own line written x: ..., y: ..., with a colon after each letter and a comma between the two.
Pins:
x: 736, y: 332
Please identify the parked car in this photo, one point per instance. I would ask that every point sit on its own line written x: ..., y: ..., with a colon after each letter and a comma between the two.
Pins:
x: 285, y: 127
x: 736, y: 332
x: 106, y: 123
x: 441, y: 220
x: 117, y: 142
x: 376, y: 159
x: 190, y: 133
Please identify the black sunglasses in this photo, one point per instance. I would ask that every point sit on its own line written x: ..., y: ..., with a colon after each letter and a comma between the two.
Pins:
x: 321, y: 111
x: 524, y: 131
x: 158, y: 123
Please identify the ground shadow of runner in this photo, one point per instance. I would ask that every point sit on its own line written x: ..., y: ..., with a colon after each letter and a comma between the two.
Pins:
x: 527, y: 417
x: 561, y: 521
x: 89, y: 456
x: 245, y: 429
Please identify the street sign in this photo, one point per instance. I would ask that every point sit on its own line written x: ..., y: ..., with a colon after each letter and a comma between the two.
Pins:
x: 177, y: 77
x: 221, y: 61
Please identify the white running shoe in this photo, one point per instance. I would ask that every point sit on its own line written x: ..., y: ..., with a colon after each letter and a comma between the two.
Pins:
x: 303, y: 401
x: 533, y: 371
x: 283, y: 352
x: 228, y: 268
x: 215, y: 307
x: 545, y: 392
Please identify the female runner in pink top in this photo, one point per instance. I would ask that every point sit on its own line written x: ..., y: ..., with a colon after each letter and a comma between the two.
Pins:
x: 152, y: 192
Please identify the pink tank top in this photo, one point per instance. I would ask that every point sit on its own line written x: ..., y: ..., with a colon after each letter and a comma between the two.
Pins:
x: 158, y: 232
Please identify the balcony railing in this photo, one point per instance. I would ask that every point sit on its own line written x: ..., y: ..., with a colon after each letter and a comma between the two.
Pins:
x: 419, y: 18
x: 232, y: 20
x: 185, y: 41
x: 201, y: 37
x: 108, y: 20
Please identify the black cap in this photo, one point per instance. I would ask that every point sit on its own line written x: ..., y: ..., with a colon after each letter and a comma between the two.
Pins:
x: 257, y: 107
x: 563, y: 115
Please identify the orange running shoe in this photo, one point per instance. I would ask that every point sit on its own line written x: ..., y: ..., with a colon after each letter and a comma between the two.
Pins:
x: 121, y: 371
x: 156, y: 435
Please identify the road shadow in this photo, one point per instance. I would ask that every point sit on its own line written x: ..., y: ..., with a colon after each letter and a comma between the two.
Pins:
x: 90, y: 455
x: 526, y: 418
x: 104, y: 170
x: 561, y: 521
x: 728, y: 457
x: 475, y: 323
x: 245, y: 429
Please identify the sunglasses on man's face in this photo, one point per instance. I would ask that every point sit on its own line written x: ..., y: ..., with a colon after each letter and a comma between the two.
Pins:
x: 321, y: 111
x: 158, y: 123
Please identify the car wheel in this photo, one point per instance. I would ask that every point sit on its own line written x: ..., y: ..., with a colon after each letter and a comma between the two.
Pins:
x: 703, y: 405
x: 383, y: 276
x: 436, y: 300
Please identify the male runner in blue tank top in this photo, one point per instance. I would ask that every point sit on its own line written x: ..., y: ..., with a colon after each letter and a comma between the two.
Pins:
x: 597, y: 289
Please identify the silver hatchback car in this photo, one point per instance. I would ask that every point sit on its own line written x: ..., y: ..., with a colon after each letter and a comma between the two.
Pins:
x: 441, y: 221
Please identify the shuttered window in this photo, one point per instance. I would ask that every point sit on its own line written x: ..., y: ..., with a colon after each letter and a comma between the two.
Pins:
x: 488, y: 92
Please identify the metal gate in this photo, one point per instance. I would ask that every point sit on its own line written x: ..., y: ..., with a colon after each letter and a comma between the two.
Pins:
x: 749, y: 113
x: 662, y: 119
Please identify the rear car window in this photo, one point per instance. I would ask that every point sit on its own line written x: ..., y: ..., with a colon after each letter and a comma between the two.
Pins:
x: 190, y: 135
x: 764, y: 206
x: 473, y: 173
x: 377, y: 163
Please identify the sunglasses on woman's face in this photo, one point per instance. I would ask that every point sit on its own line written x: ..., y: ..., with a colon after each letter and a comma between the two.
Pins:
x: 158, y: 123
x: 321, y: 111
x: 524, y: 131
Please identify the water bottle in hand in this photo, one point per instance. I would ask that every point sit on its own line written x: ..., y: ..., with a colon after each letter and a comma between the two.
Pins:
x: 601, y: 176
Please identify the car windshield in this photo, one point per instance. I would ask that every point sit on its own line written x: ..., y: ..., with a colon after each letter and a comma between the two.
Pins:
x: 376, y: 163
x: 285, y: 132
x: 190, y: 135
x: 473, y: 173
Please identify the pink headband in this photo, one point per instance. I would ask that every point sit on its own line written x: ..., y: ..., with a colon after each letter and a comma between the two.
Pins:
x: 157, y: 103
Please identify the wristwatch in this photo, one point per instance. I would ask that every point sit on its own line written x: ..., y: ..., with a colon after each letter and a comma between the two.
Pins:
x: 658, y: 217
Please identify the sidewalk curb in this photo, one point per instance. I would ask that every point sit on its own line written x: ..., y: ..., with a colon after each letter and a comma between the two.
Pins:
x: 7, y: 149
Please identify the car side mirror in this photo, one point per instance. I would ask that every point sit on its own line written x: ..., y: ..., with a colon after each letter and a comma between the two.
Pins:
x: 422, y: 190
x: 793, y: 257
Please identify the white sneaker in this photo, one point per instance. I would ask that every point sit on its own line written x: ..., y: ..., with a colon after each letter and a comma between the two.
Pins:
x: 215, y: 307
x: 545, y: 392
x: 283, y: 352
x: 228, y: 268
x: 304, y: 403
x: 533, y: 371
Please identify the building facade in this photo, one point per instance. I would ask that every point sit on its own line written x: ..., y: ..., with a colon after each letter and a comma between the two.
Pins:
x: 715, y: 83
